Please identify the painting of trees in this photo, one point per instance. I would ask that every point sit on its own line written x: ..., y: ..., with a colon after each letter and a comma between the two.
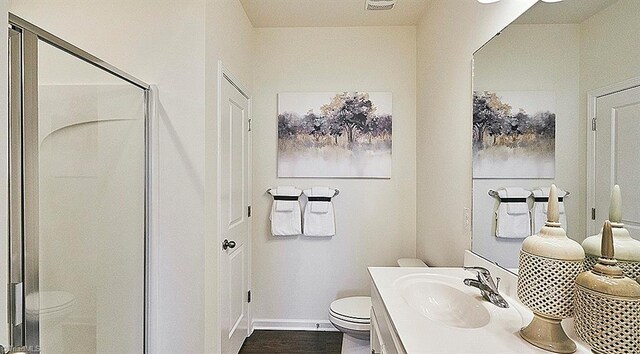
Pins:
x: 514, y: 134
x: 315, y: 125
x: 338, y: 126
x: 488, y: 115
x: 287, y: 125
x: 351, y: 111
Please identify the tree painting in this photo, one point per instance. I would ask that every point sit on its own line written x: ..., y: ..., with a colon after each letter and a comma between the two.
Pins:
x: 336, y: 134
x: 514, y: 134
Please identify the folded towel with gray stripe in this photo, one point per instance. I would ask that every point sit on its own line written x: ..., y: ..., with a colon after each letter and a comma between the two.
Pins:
x: 319, y: 216
x: 286, y: 217
x: 512, y: 216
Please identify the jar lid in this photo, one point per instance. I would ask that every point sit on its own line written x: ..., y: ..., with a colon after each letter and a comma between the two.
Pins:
x: 552, y: 241
x: 627, y: 248
x: 606, y: 277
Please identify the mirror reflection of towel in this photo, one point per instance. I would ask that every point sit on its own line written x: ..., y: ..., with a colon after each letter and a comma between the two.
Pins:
x: 540, y: 209
x: 512, y: 218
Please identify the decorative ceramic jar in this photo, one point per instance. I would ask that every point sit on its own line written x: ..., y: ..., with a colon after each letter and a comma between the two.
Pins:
x: 607, y: 304
x: 627, y: 249
x: 549, y: 265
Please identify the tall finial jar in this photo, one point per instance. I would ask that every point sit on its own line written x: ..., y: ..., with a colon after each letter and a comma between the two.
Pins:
x: 627, y: 249
x: 608, y: 304
x: 548, y: 267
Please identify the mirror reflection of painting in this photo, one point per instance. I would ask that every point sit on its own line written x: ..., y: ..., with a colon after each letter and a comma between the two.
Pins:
x: 514, y: 134
x: 335, y: 134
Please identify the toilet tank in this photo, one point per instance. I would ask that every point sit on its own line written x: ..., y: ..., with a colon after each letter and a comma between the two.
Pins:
x: 410, y: 262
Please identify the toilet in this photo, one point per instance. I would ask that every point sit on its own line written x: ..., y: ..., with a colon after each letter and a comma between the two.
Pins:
x: 352, y: 316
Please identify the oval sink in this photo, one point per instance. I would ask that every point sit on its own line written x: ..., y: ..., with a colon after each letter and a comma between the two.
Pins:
x: 443, y: 303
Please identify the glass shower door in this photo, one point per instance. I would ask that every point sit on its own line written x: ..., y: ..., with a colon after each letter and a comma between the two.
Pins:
x: 83, y: 176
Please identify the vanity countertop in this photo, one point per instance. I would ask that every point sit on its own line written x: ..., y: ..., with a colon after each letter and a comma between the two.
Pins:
x: 419, y: 334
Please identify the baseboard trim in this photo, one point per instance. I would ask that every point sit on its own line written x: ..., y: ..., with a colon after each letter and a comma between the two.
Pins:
x: 281, y: 324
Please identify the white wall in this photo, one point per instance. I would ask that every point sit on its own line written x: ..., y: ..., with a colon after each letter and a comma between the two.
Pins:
x: 297, y: 278
x: 161, y: 42
x: 532, y: 58
x: 609, y: 54
x: 447, y: 35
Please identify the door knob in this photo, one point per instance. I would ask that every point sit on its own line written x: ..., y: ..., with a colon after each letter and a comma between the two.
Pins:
x: 228, y: 244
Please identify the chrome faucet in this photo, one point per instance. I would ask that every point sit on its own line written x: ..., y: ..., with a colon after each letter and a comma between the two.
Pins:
x: 488, y: 288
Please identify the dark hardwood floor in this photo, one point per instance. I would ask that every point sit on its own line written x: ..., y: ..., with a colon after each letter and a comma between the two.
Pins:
x: 283, y: 342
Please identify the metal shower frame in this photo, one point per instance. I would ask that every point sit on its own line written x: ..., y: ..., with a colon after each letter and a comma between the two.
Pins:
x: 23, y: 170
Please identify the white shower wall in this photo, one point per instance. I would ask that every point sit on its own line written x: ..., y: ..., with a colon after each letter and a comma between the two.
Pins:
x: 91, y: 217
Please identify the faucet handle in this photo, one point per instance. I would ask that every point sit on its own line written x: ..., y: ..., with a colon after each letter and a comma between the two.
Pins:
x: 479, y: 270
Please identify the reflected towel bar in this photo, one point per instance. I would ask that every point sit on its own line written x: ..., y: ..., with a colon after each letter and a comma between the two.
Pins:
x: 335, y: 194
x: 495, y: 194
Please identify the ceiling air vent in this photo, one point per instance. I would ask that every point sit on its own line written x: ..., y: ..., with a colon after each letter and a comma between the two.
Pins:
x: 379, y: 4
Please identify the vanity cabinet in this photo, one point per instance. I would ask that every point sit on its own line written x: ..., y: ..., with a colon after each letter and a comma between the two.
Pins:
x: 377, y: 345
x: 417, y: 310
x: 384, y: 338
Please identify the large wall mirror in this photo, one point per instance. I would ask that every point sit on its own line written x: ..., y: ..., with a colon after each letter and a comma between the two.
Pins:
x: 537, y: 85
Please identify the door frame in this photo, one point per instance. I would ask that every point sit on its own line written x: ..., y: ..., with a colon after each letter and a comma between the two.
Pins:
x: 225, y: 74
x: 593, y: 226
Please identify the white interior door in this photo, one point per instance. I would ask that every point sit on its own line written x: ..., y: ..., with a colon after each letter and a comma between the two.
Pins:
x: 234, y: 216
x: 617, y: 145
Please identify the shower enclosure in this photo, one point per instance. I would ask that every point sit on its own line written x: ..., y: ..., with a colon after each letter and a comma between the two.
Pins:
x: 78, y: 195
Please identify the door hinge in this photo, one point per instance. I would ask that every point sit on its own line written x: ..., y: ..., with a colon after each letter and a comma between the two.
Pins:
x: 249, y: 124
x: 594, y: 123
x: 249, y: 296
x: 249, y: 211
x: 593, y: 213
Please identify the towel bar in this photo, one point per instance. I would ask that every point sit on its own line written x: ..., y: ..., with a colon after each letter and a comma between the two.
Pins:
x: 496, y: 195
x: 335, y: 194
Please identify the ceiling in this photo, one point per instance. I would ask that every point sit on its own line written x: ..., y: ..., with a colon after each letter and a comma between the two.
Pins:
x: 565, y: 12
x: 330, y: 13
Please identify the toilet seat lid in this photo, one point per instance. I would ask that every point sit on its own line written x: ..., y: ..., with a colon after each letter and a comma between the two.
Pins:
x: 355, y: 307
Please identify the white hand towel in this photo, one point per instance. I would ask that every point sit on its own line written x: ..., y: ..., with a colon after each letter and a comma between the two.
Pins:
x: 320, y: 207
x: 286, y: 219
x: 540, y: 209
x: 319, y: 216
x: 284, y: 205
x: 513, y: 219
x: 516, y: 192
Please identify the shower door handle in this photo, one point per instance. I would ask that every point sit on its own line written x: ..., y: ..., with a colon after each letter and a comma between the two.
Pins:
x: 228, y: 244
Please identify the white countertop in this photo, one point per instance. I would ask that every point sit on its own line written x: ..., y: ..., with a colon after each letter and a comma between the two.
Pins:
x: 419, y: 334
